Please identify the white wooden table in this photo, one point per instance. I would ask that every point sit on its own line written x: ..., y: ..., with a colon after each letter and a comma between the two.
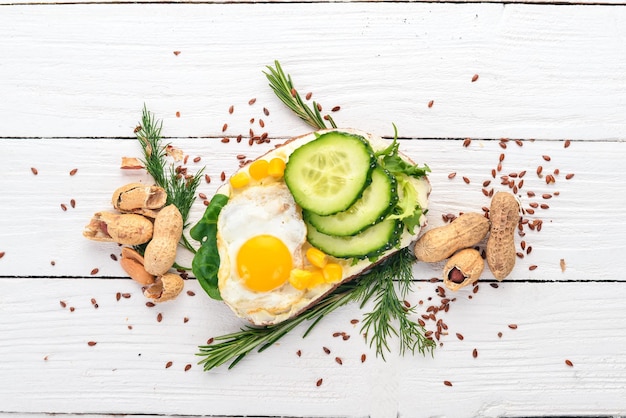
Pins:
x: 74, y: 77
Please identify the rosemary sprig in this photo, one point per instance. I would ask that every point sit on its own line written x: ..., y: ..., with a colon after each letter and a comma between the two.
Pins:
x: 283, y: 87
x: 180, y: 188
x: 235, y: 346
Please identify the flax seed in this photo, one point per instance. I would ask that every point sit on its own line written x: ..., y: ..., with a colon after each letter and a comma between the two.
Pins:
x: 34, y: 170
x: 191, y: 293
x: 126, y: 295
x: 63, y: 207
x: 185, y: 320
x: 168, y: 364
x: 569, y: 363
x: 338, y: 361
x: 530, y: 194
x: 499, y: 167
x: 299, y: 353
x: 447, y: 383
x: 94, y: 271
x: 546, y: 196
x: 319, y: 382
x: 431, y: 103
x: 550, y: 179
x: 569, y: 176
x: 459, y: 336
x: 118, y: 296
x: 474, y: 78
x: 91, y: 343
x: 225, y: 140
x: 326, y: 350
x: 452, y: 175
x: 486, y: 183
x: 187, y: 367
x: 567, y: 143
x: 529, y: 249
x: 499, y: 335
x: 466, y: 180
x: 231, y: 109
x: 354, y: 321
x: 519, y: 142
x: 223, y: 176
x: 72, y: 309
x: 530, y: 211
x: 539, y: 170
x: 207, y: 178
x: 475, y: 353
x: 336, y: 109
x: 513, y: 326
x: 502, y: 145
x: 467, y: 142
x: 534, y: 205
x: 494, y: 285
x: 546, y: 157
x: 523, y: 245
x: 308, y: 96
x: 159, y: 317
x: 224, y: 127
x: 545, y: 206
x: 73, y: 171
x: 252, y: 101
x: 210, y: 341
x: 363, y: 358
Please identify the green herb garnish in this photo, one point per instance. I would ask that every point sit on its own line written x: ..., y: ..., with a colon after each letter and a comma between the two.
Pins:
x: 377, y: 285
x: 180, y: 188
x: 283, y: 87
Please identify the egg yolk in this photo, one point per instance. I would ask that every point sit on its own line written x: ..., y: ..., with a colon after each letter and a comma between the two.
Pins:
x: 264, y: 262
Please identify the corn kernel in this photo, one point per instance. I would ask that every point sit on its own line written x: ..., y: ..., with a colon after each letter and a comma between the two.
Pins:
x: 300, y: 278
x: 317, y: 278
x: 316, y: 257
x: 240, y: 179
x: 276, y: 167
x: 259, y: 169
x: 332, y: 272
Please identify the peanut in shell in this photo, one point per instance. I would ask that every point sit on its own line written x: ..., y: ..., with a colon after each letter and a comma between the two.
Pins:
x: 126, y: 229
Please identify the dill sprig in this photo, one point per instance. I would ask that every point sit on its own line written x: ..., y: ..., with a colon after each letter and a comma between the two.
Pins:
x: 283, y: 87
x: 389, y: 308
x: 179, y: 186
x: 235, y: 346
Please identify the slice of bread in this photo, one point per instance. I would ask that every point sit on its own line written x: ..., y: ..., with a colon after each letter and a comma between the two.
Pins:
x: 284, y: 302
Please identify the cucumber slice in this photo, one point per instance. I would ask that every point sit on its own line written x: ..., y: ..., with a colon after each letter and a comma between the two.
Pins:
x: 328, y: 174
x: 378, y: 199
x: 369, y: 243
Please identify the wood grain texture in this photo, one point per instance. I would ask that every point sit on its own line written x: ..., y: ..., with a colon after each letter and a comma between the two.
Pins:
x: 47, y: 359
x: 581, y: 225
x: 84, y: 70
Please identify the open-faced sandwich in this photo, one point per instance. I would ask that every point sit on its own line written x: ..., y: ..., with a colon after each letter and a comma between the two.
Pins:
x: 315, y: 212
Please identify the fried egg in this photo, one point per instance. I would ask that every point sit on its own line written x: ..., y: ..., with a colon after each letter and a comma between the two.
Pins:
x: 260, y: 239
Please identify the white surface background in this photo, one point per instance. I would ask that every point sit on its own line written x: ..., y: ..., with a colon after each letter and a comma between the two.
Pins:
x: 73, y: 79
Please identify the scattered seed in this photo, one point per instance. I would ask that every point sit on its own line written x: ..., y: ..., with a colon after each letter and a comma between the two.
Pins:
x: 225, y: 140
x: 431, y: 103
x: 72, y: 203
x: 63, y: 206
x: 159, y: 317
x: 550, y: 179
x: 72, y: 309
x: 563, y: 265
x: 519, y: 142
x: 91, y: 343
x: 95, y: 271
x: 34, y: 170
x: 209, y: 341
x: 466, y: 180
x: 467, y: 142
x: 73, y: 171
x: 299, y: 353
x: 452, y: 175
x: 494, y: 285
x: 223, y: 176
x: 336, y: 109
x: 207, y: 178
x: 539, y: 170
x: 499, y: 335
x: 191, y: 293
x: 447, y: 383
x: 63, y: 304
x: 185, y: 320
x: 532, y: 267
x: 126, y: 295
x: 177, y: 53
x: 197, y: 159
x: 363, y: 358
x: 2, y: 253
x: 319, y: 382
x: 118, y: 296
x: 459, y: 336
x: 308, y: 96
x: 513, y: 326
x: 546, y: 157
x: 168, y: 364
x: 354, y: 321
x: 326, y: 350
x: 187, y: 367
x: 474, y: 78
x: 252, y: 101
x: 567, y: 143
x: 338, y: 360
x: 530, y: 194
x: 569, y: 176
x: 475, y: 353
x: 569, y: 363
x: 502, y: 145
x: 545, y: 206
x: 546, y: 196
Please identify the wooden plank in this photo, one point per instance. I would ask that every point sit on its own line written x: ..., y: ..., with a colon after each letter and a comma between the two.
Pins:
x: 47, y: 359
x: 86, y: 70
x: 580, y: 225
